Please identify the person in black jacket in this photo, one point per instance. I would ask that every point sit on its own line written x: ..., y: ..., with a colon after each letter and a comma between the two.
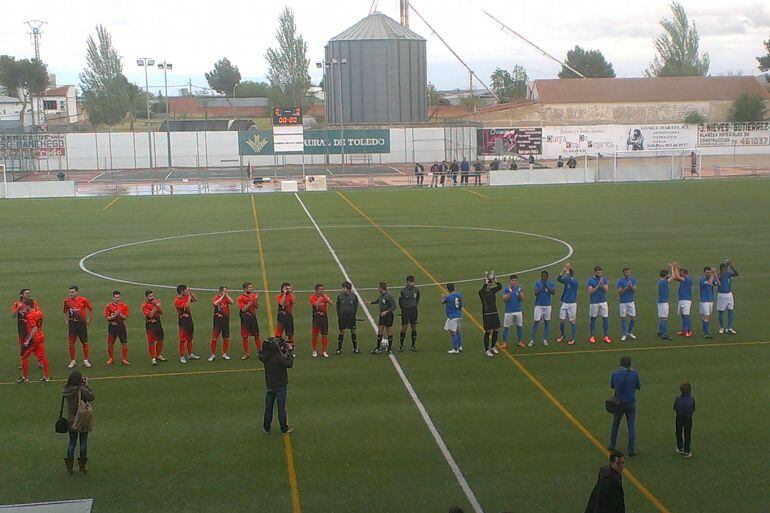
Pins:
x: 277, y: 359
x: 491, y: 318
x: 607, y: 495
x: 684, y: 406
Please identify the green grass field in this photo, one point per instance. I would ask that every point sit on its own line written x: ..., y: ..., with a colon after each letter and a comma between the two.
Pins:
x: 192, y: 441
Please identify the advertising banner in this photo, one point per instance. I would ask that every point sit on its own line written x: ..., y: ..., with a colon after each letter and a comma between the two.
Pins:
x: 510, y: 141
x: 571, y: 140
x: 320, y: 142
x: 32, y: 145
x: 734, y: 134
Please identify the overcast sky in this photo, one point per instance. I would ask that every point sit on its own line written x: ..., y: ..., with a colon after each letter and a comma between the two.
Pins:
x: 193, y: 36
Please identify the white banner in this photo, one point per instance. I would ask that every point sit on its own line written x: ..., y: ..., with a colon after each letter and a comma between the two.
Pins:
x: 606, y: 139
x: 315, y: 183
x: 734, y: 134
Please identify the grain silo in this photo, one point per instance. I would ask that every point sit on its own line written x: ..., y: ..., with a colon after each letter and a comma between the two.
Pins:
x: 376, y: 73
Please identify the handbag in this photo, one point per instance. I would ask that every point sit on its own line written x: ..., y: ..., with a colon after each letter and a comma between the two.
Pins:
x: 82, y: 421
x: 61, y: 425
x: 613, y: 404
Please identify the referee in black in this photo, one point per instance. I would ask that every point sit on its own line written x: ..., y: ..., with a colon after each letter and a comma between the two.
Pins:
x: 489, y: 310
x: 385, y: 323
x: 347, y: 308
x: 408, y: 300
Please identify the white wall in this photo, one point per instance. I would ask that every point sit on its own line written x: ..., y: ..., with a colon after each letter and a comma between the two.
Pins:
x: 56, y: 189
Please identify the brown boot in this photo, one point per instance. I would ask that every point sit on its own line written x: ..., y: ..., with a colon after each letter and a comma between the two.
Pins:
x: 82, y: 464
x: 69, y: 463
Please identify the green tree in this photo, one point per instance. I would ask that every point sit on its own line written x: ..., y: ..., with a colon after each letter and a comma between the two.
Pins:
x: 678, y: 48
x: 288, y: 63
x: 591, y: 64
x: 510, y: 85
x: 107, y: 94
x: 694, y: 118
x: 748, y: 107
x: 22, y: 79
x: 433, y: 96
x: 764, y: 61
x: 223, y: 77
x: 250, y: 89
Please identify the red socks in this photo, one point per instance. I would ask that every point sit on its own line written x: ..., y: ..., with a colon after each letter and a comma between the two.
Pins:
x: 213, y: 346
x: 324, y: 343
x: 245, y: 342
x: 225, y: 345
x: 258, y: 342
x: 72, y: 350
x: 44, y: 361
x: 24, y: 367
x: 181, y: 349
x: 124, y: 351
x: 158, y: 348
x: 85, y: 351
x: 111, y: 350
x: 151, y: 347
x: 189, y: 347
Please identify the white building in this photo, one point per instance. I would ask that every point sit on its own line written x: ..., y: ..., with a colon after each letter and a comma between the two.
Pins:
x: 60, y: 105
x: 10, y: 108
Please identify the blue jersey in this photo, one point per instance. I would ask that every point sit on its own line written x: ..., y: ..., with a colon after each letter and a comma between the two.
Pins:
x: 599, y: 295
x: 725, y: 282
x: 569, y: 294
x: 514, y: 303
x: 454, y: 305
x: 685, y: 289
x: 663, y: 290
x: 542, y: 296
x: 626, y: 296
x: 706, y: 290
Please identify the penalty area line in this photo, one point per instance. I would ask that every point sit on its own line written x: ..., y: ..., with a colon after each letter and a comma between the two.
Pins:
x: 467, y: 490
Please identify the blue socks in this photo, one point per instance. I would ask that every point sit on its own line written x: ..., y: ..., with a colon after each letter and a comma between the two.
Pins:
x: 623, y: 326
x: 574, y: 329
x: 631, y: 326
x: 729, y: 319
x: 686, y: 326
x: 546, y: 325
x: 591, y: 325
x: 605, y: 325
x: 534, y: 329
x: 456, y: 343
x: 561, y: 328
x: 705, y: 326
x: 721, y: 319
x: 505, y: 334
x: 662, y: 326
x: 520, y: 332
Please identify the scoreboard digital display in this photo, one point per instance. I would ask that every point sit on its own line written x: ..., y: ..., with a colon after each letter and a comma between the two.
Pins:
x: 287, y: 116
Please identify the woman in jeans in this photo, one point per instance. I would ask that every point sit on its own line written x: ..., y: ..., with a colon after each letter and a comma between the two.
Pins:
x: 77, y: 385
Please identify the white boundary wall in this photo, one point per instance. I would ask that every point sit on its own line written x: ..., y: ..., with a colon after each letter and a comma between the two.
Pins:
x: 58, y: 189
x: 131, y: 150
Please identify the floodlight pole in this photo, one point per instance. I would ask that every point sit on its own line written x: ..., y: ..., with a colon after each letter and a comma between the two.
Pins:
x: 165, y: 66
x: 146, y: 62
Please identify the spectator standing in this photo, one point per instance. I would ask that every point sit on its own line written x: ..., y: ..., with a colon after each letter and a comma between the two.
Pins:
x: 454, y: 169
x: 478, y: 167
x: 684, y: 406
x: 465, y: 167
x: 434, y: 171
x: 503, y: 165
x: 625, y: 382
x: 277, y: 359
x: 495, y: 165
x: 571, y: 163
x: 75, y: 393
x: 560, y: 162
x: 607, y: 495
x: 444, y: 169
x: 419, y: 173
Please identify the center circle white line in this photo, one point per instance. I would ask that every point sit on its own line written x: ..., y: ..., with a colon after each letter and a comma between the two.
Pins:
x: 84, y: 268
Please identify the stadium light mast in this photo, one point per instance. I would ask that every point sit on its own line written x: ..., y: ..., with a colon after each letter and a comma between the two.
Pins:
x: 35, y: 33
x: 146, y: 62
x: 165, y: 66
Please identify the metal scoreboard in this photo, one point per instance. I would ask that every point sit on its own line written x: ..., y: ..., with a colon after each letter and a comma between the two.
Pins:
x: 288, y: 132
x: 287, y: 116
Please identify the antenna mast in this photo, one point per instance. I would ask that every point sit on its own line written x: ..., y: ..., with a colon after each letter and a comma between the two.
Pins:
x: 35, y: 32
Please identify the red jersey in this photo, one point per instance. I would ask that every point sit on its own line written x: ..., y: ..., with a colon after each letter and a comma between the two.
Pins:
x: 34, y: 319
x: 18, y: 307
x: 287, y: 307
x: 111, y: 308
x: 76, y: 307
x: 319, y: 304
x: 182, y: 305
x: 243, y: 300
x: 223, y: 308
x: 147, y: 309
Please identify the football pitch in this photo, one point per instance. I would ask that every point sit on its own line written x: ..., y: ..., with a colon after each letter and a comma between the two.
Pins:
x: 524, y: 431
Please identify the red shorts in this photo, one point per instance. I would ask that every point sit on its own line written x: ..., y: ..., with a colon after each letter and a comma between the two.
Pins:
x: 36, y: 348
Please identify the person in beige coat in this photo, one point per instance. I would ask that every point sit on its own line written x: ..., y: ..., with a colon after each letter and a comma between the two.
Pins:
x: 74, y: 391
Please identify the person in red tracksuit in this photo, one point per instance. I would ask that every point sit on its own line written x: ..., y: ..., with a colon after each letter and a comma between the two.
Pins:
x: 319, y: 301
x: 34, y: 343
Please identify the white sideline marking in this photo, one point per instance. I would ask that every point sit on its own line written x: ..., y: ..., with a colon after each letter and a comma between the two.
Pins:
x: 84, y: 268
x: 397, y: 170
x: 97, y: 176
x: 420, y: 407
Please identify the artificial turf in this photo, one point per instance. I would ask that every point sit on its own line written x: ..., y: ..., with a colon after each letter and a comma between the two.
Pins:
x: 193, y: 442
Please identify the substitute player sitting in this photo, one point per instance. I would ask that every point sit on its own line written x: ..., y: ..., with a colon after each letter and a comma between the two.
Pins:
x: 319, y: 301
x: 116, y: 314
x: 77, y: 312
x: 248, y: 302
x: 221, y: 323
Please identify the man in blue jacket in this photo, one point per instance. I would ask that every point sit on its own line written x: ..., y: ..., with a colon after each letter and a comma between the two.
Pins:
x: 625, y: 382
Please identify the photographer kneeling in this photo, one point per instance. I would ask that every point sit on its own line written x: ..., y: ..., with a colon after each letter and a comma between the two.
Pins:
x: 277, y: 358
